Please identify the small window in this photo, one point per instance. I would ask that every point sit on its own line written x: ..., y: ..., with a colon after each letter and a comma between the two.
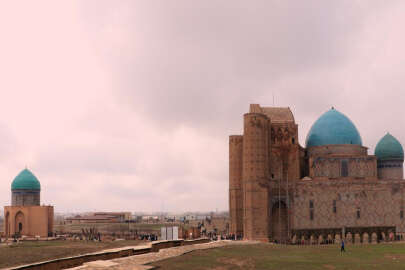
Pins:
x: 344, y: 172
x: 311, y: 214
x: 334, y: 206
x: 311, y: 204
x: 272, y: 175
x: 358, y: 212
x: 293, y: 140
x: 401, y: 214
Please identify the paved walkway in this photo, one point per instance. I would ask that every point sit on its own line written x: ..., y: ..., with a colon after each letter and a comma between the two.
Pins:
x: 138, y: 262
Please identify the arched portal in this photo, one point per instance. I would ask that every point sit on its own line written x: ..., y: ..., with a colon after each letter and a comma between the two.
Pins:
x: 279, y: 222
x: 19, y: 223
x: 7, y: 224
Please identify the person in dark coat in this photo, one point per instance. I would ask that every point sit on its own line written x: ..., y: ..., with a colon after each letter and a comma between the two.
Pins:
x: 342, y: 246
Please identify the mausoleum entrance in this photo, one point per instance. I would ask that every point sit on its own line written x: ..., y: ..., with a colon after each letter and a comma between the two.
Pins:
x: 19, y: 223
x: 279, y: 222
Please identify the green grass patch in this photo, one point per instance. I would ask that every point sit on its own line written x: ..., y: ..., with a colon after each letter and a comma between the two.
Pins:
x: 267, y: 256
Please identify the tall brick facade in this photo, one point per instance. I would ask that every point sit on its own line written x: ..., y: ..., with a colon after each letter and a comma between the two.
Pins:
x: 281, y: 191
x: 255, y: 173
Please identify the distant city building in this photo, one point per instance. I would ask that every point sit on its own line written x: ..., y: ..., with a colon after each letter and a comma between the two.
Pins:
x: 121, y: 216
x: 332, y: 188
x: 25, y: 216
x: 101, y: 217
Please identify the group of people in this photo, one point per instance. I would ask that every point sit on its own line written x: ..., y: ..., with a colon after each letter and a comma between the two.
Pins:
x: 234, y: 237
x: 148, y: 237
x: 214, y: 236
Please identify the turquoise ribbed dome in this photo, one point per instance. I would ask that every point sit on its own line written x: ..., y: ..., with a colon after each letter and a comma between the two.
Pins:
x: 389, y: 148
x: 25, y: 180
x: 333, y: 127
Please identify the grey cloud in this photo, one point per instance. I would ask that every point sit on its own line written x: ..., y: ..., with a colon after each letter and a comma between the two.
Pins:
x: 199, y: 62
x: 100, y: 159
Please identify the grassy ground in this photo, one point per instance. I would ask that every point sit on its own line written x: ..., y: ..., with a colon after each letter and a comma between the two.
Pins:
x: 267, y: 256
x: 29, y: 252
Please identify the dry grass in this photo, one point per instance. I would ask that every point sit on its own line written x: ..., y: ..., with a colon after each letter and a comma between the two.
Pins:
x: 30, y: 252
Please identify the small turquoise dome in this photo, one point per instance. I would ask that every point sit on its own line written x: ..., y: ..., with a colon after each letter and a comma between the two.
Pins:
x: 25, y: 180
x: 389, y: 148
x: 333, y: 127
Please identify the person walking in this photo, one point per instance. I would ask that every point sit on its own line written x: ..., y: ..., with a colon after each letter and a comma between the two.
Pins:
x: 342, y: 246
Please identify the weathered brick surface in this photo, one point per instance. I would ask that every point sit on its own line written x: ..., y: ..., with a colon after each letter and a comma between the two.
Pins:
x: 390, y: 169
x: 379, y: 203
x: 235, y: 184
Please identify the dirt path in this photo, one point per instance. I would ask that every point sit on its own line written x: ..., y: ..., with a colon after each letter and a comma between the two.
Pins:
x: 138, y: 262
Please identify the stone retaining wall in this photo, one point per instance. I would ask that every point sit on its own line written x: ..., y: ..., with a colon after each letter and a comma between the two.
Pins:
x: 194, y: 242
x: 79, y: 260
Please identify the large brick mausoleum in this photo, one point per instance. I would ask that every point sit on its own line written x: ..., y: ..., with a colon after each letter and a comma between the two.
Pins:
x: 25, y: 216
x: 332, y: 188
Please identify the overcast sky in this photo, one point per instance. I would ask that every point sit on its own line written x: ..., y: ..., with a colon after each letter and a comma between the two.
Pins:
x: 128, y: 105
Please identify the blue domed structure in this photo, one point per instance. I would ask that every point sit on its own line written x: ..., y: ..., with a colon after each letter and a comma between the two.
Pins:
x: 25, y: 189
x: 333, y: 128
x: 390, y: 158
x: 25, y: 180
x: 389, y: 148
